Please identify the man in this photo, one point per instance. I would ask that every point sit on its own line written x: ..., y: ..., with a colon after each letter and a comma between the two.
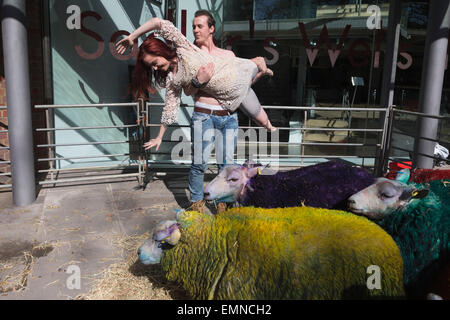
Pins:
x: 208, y: 115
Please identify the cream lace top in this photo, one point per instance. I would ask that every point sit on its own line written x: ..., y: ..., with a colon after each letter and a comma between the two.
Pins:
x: 231, y: 80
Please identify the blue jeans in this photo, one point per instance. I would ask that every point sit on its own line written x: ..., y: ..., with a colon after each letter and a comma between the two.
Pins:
x: 207, y: 130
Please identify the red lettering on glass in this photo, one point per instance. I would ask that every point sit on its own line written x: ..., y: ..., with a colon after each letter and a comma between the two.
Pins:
x: 96, y: 36
x: 332, y: 53
x: 353, y: 54
x: 112, y: 47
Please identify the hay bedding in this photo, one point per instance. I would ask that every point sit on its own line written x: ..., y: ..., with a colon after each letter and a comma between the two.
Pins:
x: 130, y: 280
x: 16, y: 263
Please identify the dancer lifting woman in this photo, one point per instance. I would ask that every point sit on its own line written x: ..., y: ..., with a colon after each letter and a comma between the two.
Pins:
x: 175, y: 68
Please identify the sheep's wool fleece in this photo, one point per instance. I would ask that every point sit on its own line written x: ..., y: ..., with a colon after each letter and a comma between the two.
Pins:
x: 288, y: 253
x: 422, y: 231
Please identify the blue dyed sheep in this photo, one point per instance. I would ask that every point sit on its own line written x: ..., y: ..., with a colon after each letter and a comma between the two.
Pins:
x: 325, y: 185
x: 417, y: 216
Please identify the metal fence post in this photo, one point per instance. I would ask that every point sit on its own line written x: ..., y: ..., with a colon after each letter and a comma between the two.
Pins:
x: 385, y: 142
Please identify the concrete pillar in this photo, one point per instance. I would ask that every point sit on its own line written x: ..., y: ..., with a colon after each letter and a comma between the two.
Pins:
x: 15, y: 52
x: 432, y: 80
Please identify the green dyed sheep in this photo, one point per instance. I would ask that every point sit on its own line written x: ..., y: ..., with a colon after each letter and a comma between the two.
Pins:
x: 287, y: 253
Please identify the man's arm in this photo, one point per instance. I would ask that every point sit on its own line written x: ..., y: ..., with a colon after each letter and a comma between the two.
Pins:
x: 204, y: 74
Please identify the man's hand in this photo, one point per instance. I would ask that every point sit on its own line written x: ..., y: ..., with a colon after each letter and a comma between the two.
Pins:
x: 205, y: 73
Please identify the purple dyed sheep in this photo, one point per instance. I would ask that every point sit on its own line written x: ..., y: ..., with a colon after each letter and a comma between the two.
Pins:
x: 325, y: 185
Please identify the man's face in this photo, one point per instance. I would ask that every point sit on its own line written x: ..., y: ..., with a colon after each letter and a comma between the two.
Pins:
x: 201, y: 30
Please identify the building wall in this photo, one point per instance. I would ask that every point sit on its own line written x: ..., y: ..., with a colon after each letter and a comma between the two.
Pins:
x: 34, y: 17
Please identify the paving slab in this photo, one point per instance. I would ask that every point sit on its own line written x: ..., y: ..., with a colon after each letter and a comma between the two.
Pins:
x: 76, y: 228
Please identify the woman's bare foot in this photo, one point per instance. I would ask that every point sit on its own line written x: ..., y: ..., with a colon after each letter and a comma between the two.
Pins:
x: 262, y: 67
x: 270, y: 127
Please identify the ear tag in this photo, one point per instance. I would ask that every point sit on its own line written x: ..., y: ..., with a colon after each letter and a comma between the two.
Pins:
x: 259, y: 170
x: 415, y: 193
x: 162, y: 241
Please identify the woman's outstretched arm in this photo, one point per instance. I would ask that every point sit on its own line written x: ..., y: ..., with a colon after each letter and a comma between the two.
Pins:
x: 150, y: 25
x: 157, y: 141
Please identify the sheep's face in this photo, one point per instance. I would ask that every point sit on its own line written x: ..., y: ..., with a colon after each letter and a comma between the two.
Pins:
x: 150, y: 252
x: 229, y: 183
x: 383, y: 197
x: 165, y: 235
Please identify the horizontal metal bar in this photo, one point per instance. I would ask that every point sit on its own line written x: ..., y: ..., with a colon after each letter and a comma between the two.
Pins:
x: 157, y: 104
x: 310, y: 144
x: 5, y: 162
x: 414, y: 136
x: 128, y: 175
x: 318, y: 129
x: 5, y: 186
x: 80, y: 144
x: 90, y: 168
x: 4, y: 148
x: 84, y: 128
x: 420, y: 153
x: 241, y: 142
x: 402, y: 149
x: 98, y: 105
x: 273, y: 156
x: 420, y: 114
x: 88, y: 157
x: 3, y: 131
x: 171, y: 125
x: 5, y: 173
x: 3, y: 107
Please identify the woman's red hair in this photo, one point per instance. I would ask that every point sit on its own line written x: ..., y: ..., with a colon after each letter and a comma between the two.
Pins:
x: 142, y: 79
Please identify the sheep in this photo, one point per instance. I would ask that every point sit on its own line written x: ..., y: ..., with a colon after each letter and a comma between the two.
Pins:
x: 326, y: 185
x: 418, y: 219
x: 284, y: 253
x: 419, y: 175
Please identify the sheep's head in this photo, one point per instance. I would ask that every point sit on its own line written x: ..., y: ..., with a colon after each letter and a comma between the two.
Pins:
x: 165, y: 235
x: 230, y: 182
x: 383, y: 197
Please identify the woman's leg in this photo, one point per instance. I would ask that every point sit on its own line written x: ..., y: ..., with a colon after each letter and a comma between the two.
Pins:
x: 262, y: 69
x: 251, y: 106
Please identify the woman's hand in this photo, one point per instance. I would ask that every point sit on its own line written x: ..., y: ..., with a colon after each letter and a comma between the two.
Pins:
x: 152, y: 143
x: 124, y: 44
x: 205, y: 73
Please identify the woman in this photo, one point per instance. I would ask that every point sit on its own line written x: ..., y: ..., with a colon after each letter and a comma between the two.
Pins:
x: 229, y: 79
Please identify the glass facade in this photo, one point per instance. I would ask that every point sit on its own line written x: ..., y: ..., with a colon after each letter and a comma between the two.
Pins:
x: 86, y: 70
x: 314, y: 47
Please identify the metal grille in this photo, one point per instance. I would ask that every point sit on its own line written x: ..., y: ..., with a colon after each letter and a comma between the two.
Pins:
x: 403, y: 133
x: 131, y: 169
x: 5, y: 165
x: 334, y: 122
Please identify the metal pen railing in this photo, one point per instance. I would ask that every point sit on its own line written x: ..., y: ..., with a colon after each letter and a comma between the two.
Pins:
x: 408, y: 154
x: 51, y: 146
x: 377, y: 145
x: 5, y: 163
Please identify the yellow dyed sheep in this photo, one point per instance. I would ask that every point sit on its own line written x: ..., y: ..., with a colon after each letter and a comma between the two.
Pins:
x: 286, y: 253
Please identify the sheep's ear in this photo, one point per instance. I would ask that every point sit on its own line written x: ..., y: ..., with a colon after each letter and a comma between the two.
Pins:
x: 411, y: 193
x: 249, y: 163
x: 251, y: 172
x: 419, y: 194
x: 403, y: 175
x: 165, y: 230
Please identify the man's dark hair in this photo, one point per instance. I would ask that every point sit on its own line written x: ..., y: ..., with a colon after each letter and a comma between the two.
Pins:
x: 211, y: 21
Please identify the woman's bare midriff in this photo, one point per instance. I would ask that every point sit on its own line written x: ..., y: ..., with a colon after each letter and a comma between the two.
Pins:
x: 204, y: 98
